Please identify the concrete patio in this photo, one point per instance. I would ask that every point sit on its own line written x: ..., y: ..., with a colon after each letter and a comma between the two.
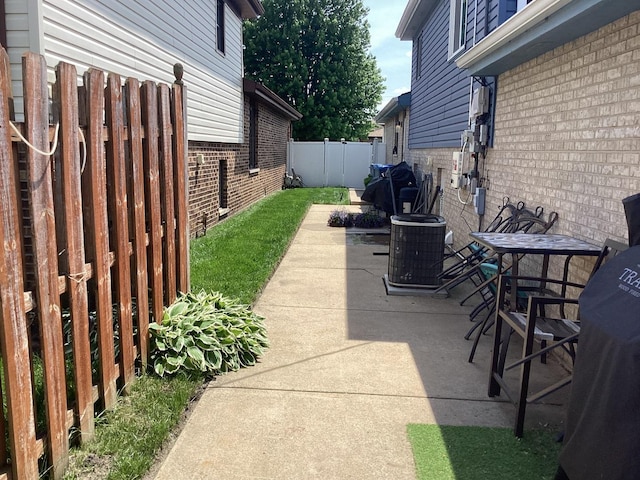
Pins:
x: 349, y: 367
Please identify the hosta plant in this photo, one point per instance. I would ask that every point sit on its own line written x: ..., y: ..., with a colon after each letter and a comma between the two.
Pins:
x: 206, y: 334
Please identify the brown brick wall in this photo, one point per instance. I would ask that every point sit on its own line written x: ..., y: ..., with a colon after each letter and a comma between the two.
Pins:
x: 243, y: 187
x: 567, y: 136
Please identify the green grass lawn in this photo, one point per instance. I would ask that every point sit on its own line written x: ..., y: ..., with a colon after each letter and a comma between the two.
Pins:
x: 237, y: 257
x: 474, y: 453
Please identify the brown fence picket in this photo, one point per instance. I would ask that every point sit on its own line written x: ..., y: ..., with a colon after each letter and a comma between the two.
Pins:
x: 152, y: 191
x: 45, y: 258
x: 139, y: 229
x: 166, y: 176
x: 13, y: 327
x: 181, y: 179
x: 81, y: 232
x: 70, y: 162
x: 97, y: 231
x: 117, y: 182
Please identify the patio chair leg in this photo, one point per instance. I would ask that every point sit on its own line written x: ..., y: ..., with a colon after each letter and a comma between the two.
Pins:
x: 496, y: 369
x: 504, y: 341
x: 483, y: 326
x: 525, y: 372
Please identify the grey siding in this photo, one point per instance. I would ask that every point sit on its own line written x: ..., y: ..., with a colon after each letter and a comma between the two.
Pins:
x: 440, y: 91
x: 142, y: 39
x: 491, y: 13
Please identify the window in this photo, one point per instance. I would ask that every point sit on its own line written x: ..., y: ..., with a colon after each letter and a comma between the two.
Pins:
x: 253, y: 134
x: 418, y: 46
x: 220, y: 26
x: 223, y: 192
x: 457, y: 27
x: 522, y: 4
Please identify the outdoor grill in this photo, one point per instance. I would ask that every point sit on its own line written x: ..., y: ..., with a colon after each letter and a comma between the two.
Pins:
x: 384, y: 191
x: 603, y: 417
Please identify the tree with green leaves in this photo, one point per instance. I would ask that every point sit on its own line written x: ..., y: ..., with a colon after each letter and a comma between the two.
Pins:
x: 315, y: 54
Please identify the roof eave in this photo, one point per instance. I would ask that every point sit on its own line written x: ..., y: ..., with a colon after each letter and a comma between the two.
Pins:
x: 414, y: 16
x: 393, y: 108
x: 248, y: 9
x: 539, y: 28
x: 257, y: 90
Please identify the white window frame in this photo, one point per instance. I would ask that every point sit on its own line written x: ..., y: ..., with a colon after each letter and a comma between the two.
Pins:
x: 457, y: 27
x: 521, y: 4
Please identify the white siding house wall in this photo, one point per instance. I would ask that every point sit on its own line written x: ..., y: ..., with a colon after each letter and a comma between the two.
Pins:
x: 143, y: 39
x: 20, y: 24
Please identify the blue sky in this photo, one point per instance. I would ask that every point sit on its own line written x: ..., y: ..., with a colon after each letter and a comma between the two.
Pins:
x: 392, y: 55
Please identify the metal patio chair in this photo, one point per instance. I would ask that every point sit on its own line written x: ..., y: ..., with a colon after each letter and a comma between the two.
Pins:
x: 536, y: 324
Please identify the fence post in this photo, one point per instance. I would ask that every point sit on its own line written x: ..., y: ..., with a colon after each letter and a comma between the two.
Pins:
x: 181, y: 184
x: 13, y: 327
x: 325, y: 170
x: 45, y: 258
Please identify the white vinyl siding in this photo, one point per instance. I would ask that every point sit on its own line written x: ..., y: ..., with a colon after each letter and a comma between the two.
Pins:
x: 143, y: 39
x: 20, y: 25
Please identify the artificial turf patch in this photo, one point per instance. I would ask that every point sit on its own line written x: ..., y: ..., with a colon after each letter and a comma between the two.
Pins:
x: 474, y: 453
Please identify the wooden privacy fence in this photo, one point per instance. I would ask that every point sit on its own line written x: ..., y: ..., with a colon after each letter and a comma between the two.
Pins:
x: 95, y: 243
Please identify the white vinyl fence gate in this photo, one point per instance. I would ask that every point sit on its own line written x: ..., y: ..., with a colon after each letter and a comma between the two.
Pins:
x: 333, y: 164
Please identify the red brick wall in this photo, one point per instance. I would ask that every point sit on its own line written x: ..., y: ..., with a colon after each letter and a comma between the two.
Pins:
x: 243, y: 187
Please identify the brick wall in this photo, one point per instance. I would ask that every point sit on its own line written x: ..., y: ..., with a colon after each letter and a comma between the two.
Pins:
x: 243, y: 187
x: 567, y: 137
x: 567, y: 131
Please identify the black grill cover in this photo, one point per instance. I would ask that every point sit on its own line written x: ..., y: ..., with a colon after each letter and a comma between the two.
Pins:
x: 602, y: 438
x: 378, y: 191
x: 632, y: 212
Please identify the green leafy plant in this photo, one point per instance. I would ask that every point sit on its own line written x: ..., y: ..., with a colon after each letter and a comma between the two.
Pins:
x: 206, y: 334
x: 368, y: 220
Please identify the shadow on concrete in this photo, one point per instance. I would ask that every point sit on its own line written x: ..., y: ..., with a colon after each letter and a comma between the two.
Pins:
x: 432, y: 329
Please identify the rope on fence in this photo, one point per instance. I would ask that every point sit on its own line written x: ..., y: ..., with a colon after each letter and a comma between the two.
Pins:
x: 79, y: 277
x: 84, y: 151
x: 55, y: 144
x: 55, y: 140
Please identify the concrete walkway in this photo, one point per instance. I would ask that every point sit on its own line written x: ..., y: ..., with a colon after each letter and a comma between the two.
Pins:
x: 349, y: 367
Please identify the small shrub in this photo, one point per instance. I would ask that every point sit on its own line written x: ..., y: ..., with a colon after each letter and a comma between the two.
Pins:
x: 367, y: 180
x: 340, y: 218
x: 368, y: 220
x: 206, y: 334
